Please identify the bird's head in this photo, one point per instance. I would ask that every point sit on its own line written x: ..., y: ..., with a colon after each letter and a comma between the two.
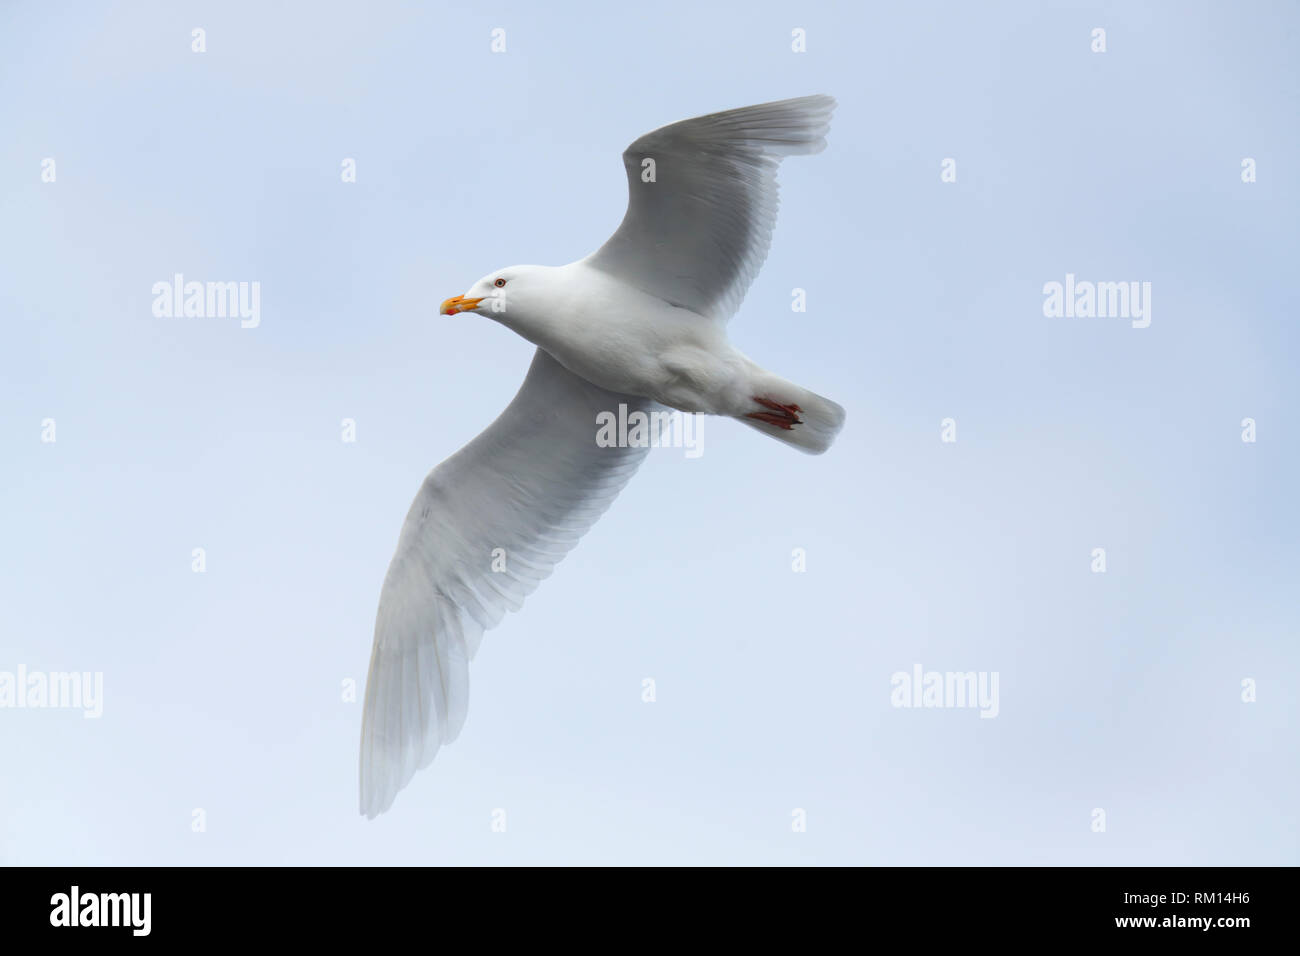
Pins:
x: 505, y: 295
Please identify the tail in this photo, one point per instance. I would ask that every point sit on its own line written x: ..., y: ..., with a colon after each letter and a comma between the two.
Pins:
x: 790, y: 413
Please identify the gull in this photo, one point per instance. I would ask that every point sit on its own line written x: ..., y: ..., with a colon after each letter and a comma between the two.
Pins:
x: 640, y: 322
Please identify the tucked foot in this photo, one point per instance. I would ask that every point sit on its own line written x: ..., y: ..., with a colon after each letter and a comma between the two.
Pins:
x: 782, y: 416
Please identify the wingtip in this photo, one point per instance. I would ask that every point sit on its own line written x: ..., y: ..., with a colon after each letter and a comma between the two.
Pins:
x: 372, y: 805
x: 816, y: 103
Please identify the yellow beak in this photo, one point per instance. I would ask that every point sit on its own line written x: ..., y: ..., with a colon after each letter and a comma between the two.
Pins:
x: 458, y: 303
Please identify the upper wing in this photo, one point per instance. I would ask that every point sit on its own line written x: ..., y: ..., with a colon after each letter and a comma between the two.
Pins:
x: 530, y: 485
x: 697, y: 234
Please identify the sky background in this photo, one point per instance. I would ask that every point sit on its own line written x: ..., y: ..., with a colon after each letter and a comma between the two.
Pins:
x: 1120, y: 691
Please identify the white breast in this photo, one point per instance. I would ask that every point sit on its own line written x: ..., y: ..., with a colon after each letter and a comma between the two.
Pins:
x: 625, y: 340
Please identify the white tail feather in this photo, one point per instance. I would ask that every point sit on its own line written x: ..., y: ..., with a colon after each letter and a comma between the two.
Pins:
x: 812, y: 424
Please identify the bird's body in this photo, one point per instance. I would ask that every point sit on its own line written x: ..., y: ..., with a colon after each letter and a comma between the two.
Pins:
x: 624, y: 340
x: 641, y: 324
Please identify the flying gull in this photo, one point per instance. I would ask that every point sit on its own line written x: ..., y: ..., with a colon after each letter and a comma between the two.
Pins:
x: 639, y: 322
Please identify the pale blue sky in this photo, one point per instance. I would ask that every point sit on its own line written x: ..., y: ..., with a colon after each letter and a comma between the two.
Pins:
x: 1118, y: 691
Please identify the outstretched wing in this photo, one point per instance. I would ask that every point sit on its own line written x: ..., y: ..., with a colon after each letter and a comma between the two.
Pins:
x: 530, y: 485
x: 697, y: 233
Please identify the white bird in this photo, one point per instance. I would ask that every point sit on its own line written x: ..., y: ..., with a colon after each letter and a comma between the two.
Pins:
x: 642, y: 322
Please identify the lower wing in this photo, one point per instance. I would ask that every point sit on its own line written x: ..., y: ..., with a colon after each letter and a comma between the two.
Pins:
x: 487, y: 526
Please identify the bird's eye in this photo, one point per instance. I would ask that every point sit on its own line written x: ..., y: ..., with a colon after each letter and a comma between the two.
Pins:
x: 499, y: 283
